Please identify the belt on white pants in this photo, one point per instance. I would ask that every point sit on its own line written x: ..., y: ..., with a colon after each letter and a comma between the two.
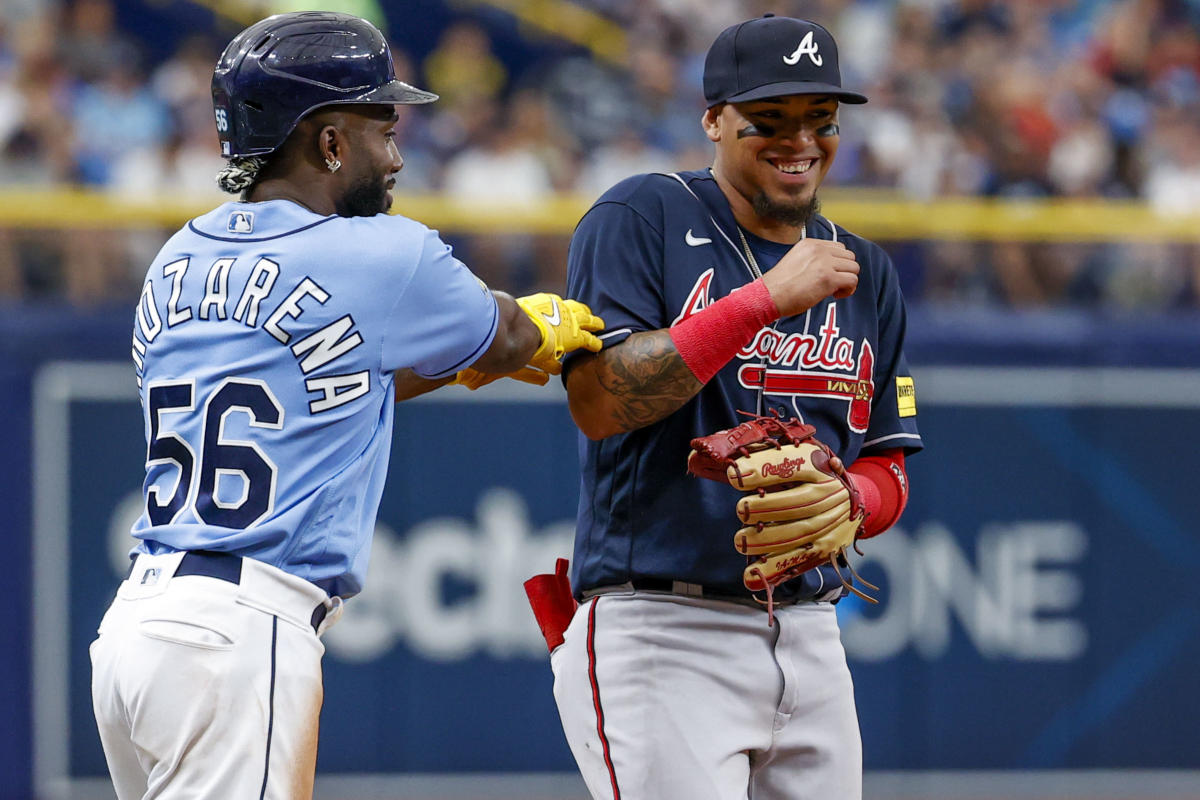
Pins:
x: 260, y: 584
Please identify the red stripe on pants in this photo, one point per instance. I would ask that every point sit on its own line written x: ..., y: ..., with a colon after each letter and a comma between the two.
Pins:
x: 591, y: 649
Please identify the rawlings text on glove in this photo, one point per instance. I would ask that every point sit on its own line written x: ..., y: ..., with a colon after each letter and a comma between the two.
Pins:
x: 801, y: 510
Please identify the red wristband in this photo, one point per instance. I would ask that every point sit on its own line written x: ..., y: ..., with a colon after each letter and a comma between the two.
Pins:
x: 882, y: 485
x: 709, y: 339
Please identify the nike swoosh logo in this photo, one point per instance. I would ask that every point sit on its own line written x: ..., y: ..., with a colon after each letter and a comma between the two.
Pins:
x: 554, y: 319
x: 695, y: 241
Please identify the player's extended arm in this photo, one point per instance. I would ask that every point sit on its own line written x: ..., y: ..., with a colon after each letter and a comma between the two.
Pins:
x: 517, y: 339
x: 409, y: 384
x: 564, y: 325
x: 652, y: 374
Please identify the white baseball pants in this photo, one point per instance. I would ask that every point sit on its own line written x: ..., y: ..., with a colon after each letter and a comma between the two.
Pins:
x: 204, y: 688
x: 666, y: 697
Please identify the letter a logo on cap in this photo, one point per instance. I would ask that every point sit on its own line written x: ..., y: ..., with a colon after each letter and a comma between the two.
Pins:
x: 807, y: 47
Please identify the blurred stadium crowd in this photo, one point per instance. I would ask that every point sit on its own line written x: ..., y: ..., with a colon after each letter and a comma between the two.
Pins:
x: 1017, y: 99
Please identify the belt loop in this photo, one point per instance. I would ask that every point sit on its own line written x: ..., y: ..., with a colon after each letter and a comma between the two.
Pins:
x: 326, y: 614
x: 687, y: 589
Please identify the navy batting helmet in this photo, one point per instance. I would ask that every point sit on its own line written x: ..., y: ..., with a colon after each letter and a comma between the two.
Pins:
x: 283, y: 67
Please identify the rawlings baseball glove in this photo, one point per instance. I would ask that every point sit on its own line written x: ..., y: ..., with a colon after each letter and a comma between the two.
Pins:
x: 801, y: 510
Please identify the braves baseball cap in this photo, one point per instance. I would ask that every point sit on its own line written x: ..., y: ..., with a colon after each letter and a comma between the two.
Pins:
x: 770, y: 57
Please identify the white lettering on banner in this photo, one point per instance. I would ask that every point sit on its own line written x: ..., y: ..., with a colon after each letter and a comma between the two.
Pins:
x: 1012, y: 605
x: 404, y: 591
x: 120, y: 542
x: 403, y: 598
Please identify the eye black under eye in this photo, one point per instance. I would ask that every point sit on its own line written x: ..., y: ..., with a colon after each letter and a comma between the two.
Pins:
x: 759, y: 128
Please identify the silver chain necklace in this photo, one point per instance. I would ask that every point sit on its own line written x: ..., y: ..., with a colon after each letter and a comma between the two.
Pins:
x: 758, y: 274
x: 750, y: 254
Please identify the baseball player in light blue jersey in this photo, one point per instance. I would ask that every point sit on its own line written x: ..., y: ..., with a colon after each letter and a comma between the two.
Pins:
x: 271, y: 340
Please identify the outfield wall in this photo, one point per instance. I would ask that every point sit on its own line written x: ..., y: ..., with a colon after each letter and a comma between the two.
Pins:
x: 1039, y: 605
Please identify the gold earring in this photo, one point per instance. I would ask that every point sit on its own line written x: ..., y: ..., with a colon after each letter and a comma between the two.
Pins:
x: 333, y: 165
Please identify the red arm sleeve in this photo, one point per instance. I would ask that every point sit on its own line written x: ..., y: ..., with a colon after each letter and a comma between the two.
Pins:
x: 709, y: 339
x: 882, y: 485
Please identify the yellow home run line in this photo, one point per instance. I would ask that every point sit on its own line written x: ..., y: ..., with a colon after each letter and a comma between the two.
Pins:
x: 604, y: 38
x: 868, y: 213
x: 558, y: 18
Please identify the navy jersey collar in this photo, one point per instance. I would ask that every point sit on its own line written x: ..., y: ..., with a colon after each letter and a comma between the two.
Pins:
x: 704, y: 184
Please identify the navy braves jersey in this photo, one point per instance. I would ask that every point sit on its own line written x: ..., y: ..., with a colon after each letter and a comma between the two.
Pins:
x: 265, y: 342
x: 657, y: 248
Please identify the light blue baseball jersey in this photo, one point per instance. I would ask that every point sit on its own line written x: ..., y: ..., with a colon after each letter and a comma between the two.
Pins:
x: 265, y: 340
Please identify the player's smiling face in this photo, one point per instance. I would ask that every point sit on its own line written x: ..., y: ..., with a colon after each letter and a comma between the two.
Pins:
x: 774, y: 153
x: 375, y: 162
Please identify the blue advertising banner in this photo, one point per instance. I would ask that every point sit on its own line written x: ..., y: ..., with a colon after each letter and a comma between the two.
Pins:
x: 1036, y: 594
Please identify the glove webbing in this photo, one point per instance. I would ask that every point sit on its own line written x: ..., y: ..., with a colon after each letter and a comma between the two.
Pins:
x: 833, y: 559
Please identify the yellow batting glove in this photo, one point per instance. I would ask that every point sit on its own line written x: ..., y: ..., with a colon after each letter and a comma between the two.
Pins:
x: 473, y: 378
x: 565, y: 325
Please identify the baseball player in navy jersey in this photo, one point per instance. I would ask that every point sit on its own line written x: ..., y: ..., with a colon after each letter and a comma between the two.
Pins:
x: 724, y: 290
x: 271, y: 339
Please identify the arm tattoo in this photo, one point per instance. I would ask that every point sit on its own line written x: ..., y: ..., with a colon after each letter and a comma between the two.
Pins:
x: 647, y: 378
